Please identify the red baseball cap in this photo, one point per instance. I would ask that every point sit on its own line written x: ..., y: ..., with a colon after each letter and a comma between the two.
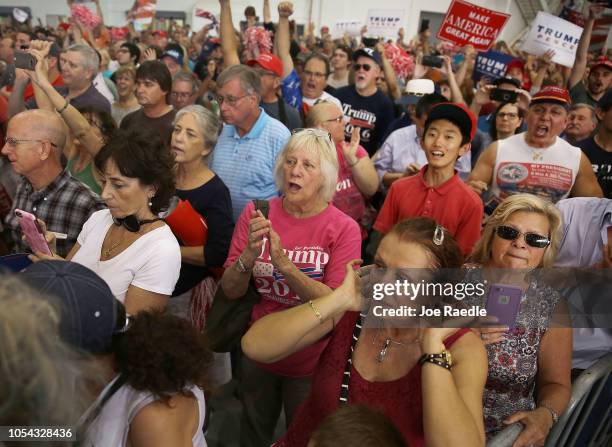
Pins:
x: 269, y: 62
x: 552, y: 93
x: 602, y: 62
x: 160, y: 32
x: 456, y: 113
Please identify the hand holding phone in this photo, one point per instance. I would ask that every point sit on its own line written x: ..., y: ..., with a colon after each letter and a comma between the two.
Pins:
x: 504, y: 302
x: 25, y: 61
x: 502, y: 95
x: 33, y: 233
x: 432, y: 61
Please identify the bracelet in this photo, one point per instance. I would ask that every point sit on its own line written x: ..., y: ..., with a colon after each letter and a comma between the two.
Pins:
x: 242, y: 268
x: 60, y: 111
x: 357, y: 161
x: 553, y: 413
x: 316, y: 311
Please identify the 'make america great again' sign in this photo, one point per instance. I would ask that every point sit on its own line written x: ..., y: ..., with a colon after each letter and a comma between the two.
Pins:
x: 467, y: 24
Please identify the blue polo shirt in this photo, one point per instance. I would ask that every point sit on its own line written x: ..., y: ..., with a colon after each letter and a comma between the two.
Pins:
x: 246, y: 164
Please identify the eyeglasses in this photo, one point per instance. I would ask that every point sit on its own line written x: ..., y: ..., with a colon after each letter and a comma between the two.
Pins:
x: 312, y: 74
x: 231, y: 100
x: 532, y: 239
x: 366, y: 67
x: 316, y: 132
x: 509, y: 115
x: 14, y: 142
x: 185, y: 95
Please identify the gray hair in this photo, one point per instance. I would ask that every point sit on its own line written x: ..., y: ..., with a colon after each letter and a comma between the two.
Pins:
x: 91, y: 60
x: 208, y: 123
x: 316, y: 142
x: 249, y: 79
x: 184, y: 76
x: 583, y: 105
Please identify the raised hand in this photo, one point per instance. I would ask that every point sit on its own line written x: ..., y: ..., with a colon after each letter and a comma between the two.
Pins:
x: 285, y: 9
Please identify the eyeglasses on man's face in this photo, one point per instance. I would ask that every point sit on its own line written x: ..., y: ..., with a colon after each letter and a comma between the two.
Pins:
x: 14, y: 142
x: 230, y: 100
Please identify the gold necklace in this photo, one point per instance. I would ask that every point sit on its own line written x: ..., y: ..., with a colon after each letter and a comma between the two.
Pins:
x: 108, y: 251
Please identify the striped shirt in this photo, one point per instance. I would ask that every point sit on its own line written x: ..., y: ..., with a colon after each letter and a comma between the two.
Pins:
x: 64, y: 205
x: 246, y: 164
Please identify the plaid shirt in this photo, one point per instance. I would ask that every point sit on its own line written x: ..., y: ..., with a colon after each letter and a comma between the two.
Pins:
x: 64, y: 205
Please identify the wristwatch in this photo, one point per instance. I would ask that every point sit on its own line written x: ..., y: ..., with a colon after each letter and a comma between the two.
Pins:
x: 443, y: 359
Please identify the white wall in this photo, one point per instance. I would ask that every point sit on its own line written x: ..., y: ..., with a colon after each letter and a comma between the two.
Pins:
x: 324, y: 12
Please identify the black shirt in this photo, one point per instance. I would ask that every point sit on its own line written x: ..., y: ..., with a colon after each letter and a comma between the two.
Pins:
x: 212, y: 201
x: 294, y: 121
x: 138, y: 120
x: 602, y: 163
x: 90, y: 97
x: 372, y: 114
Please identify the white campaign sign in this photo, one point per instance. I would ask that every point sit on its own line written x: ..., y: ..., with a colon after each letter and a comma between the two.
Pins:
x: 350, y: 27
x: 385, y: 22
x: 550, y: 32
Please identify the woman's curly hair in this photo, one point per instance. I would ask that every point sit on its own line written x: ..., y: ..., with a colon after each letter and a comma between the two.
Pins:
x: 143, y: 155
x: 162, y: 354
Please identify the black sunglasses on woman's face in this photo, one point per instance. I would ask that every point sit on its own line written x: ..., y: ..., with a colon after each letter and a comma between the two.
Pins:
x: 532, y: 239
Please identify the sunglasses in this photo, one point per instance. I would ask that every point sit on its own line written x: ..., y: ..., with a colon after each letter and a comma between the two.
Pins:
x: 316, y: 132
x: 366, y: 67
x: 532, y: 239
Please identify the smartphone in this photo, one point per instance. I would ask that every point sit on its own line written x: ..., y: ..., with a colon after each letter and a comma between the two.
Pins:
x: 432, y: 61
x: 32, y: 232
x: 25, y: 60
x: 263, y: 206
x: 369, y: 42
x: 501, y: 95
x: 504, y: 302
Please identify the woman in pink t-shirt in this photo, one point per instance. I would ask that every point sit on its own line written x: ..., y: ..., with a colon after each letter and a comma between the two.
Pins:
x: 357, y: 178
x: 295, y: 255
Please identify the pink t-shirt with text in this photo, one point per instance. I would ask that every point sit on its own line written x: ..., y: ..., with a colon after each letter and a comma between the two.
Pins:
x: 320, y: 246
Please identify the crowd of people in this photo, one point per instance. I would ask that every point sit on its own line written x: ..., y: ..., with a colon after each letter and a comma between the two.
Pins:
x: 170, y: 172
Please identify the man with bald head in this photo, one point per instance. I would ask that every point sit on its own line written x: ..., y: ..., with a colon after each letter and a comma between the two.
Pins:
x: 34, y: 143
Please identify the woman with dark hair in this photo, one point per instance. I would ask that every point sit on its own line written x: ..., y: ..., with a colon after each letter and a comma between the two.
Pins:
x: 403, y: 370
x: 507, y: 121
x: 152, y: 366
x: 128, y: 245
x: 102, y: 128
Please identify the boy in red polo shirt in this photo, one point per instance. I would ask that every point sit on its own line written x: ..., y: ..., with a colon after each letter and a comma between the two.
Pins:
x: 437, y: 191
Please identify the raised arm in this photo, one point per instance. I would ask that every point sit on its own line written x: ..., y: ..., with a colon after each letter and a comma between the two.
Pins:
x: 390, y: 76
x: 580, y: 62
x: 456, y: 95
x: 229, y: 46
x: 466, y: 64
x: 283, y: 37
x: 543, y: 63
x: 15, y: 102
x: 300, y: 326
x: 267, y: 16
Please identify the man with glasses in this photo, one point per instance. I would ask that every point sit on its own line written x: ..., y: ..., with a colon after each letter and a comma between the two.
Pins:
x: 128, y: 54
x: 246, y: 151
x: 153, y: 89
x: 364, y: 105
x: 184, y: 90
x: 536, y: 161
x: 302, y: 92
x: 270, y: 69
x: 34, y: 143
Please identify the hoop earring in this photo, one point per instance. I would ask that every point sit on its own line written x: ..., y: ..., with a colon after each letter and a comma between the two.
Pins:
x: 438, y: 236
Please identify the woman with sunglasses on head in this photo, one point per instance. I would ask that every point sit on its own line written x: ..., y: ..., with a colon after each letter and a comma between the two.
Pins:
x: 128, y: 245
x: 428, y: 381
x: 522, y: 235
x: 357, y: 178
x: 296, y: 254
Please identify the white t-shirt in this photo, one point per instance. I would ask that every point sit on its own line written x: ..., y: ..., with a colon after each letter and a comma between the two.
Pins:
x: 152, y: 262
x: 112, y: 426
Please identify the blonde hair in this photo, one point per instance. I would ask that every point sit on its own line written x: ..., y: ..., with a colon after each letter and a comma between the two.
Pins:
x: 513, y: 204
x: 43, y: 381
x: 316, y: 142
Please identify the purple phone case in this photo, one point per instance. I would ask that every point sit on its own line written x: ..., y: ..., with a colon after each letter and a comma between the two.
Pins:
x: 504, y: 302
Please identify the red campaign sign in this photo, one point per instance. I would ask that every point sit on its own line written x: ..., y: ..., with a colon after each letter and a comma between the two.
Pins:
x: 467, y: 24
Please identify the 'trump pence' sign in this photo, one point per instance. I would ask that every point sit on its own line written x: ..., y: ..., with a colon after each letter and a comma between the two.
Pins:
x: 550, y: 32
x: 467, y: 24
x: 492, y: 64
x: 385, y: 22
x: 352, y: 28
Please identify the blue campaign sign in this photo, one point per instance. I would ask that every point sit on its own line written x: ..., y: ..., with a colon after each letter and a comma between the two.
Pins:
x: 492, y: 64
